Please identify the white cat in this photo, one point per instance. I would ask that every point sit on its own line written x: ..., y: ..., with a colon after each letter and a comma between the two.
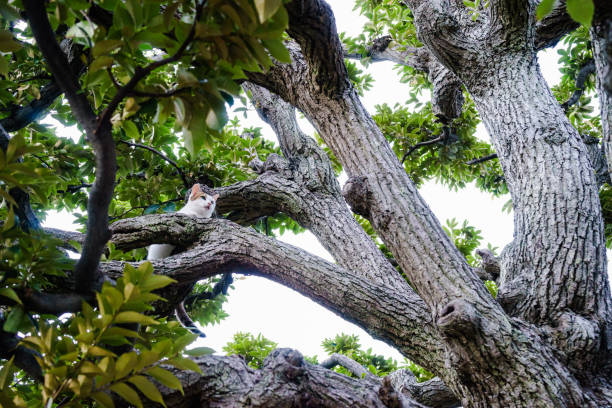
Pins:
x: 199, y: 204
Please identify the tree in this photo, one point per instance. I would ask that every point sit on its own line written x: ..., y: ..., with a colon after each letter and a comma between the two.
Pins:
x: 135, y: 74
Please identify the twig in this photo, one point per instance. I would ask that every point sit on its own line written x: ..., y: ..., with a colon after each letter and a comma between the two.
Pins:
x: 142, y: 207
x: 354, y: 367
x: 421, y: 144
x: 163, y: 156
x: 483, y: 159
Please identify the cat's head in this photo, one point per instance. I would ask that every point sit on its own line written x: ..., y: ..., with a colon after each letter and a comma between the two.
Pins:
x: 201, y: 203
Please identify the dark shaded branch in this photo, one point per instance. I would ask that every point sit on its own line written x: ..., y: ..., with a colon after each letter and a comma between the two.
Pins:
x: 99, y: 135
x: 53, y: 303
x: 421, y: 144
x: 183, y: 317
x: 554, y: 26
x: 586, y: 69
x: 26, y: 217
x: 483, y: 159
x: 22, y: 117
x: 163, y: 156
x: 24, y: 357
x: 312, y: 25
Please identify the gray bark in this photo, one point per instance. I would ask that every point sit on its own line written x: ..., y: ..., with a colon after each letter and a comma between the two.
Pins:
x: 285, y: 380
x: 599, y: 34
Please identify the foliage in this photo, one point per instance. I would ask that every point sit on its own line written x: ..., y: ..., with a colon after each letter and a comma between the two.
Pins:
x: 80, y: 355
x: 580, y: 10
x: 447, y: 161
x: 254, y: 349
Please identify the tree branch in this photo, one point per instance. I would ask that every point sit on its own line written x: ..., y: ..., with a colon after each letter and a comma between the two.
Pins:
x: 432, y: 393
x: 222, y: 247
x: 163, y: 156
x: 284, y: 380
x: 586, y: 69
x: 354, y: 367
x: 483, y: 159
x: 98, y: 134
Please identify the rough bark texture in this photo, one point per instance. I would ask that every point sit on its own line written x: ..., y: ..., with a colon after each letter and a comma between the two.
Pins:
x: 285, y: 380
x: 599, y: 38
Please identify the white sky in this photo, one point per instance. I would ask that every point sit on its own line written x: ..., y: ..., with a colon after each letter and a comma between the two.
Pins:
x: 281, y: 314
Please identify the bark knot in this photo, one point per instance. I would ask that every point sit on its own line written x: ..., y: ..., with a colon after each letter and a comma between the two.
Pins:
x: 357, y: 195
x: 459, y: 317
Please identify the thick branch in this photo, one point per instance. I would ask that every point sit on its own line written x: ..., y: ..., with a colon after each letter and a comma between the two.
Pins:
x: 98, y: 134
x: 554, y: 26
x: 222, y: 246
x: 312, y: 24
x: 285, y: 380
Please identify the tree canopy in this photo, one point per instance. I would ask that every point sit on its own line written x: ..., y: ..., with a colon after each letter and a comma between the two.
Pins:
x: 148, y: 85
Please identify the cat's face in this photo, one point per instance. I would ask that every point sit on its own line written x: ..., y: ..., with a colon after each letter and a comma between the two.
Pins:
x: 207, y: 201
x: 200, y: 204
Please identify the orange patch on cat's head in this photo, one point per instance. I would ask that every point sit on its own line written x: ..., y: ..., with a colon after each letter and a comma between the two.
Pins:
x: 196, y: 192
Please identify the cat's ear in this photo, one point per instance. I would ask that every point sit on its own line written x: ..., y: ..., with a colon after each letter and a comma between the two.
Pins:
x: 195, y: 192
x: 215, y: 197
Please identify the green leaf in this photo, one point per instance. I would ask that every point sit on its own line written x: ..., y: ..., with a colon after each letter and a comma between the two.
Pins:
x: 103, y: 399
x: 130, y: 129
x: 581, y: 10
x: 11, y: 294
x: 165, y: 377
x: 156, y: 282
x: 124, y: 364
x: 4, y: 66
x: 8, y: 42
x: 5, y: 371
x: 277, y: 50
x: 199, y: 351
x: 147, y: 388
x: 105, y: 47
x: 127, y: 393
x: 101, y: 62
x: 13, y: 320
x: 134, y: 317
x: 267, y: 8
x: 185, y: 364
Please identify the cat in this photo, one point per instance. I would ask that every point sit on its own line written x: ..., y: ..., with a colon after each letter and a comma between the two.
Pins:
x: 199, y: 204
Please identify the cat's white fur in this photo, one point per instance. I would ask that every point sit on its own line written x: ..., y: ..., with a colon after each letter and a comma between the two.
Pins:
x: 199, y: 204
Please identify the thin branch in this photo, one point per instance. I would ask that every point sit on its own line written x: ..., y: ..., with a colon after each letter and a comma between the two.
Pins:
x: 163, y: 156
x: 421, y: 144
x: 183, y: 317
x: 586, y: 69
x: 354, y: 367
x: 142, y: 207
x: 483, y: 159
x: 141, y: 73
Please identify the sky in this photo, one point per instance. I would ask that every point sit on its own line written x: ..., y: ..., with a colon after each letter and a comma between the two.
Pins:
x: 282, y: 315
